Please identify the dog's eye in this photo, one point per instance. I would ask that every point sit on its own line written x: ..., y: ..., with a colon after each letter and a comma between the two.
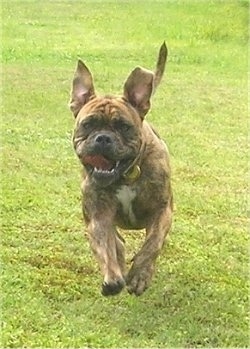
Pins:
x: 122, y: 126
x: 125, y: 127
x: 87, y: 126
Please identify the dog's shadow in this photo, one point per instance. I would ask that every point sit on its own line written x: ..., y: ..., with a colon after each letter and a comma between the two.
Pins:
x: 166, y: 309
x: 140, y: 318
x: 153, y: 317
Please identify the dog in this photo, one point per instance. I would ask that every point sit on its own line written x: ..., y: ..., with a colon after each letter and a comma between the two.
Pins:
x: 126, y: 177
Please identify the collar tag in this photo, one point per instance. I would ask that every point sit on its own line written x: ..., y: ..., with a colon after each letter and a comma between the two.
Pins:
x: 133, y: 174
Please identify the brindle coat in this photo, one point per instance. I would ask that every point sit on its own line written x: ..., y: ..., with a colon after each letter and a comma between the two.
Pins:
x: 136, y: 192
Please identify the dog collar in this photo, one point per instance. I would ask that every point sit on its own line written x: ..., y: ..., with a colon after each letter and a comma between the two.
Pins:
x: 133, y: 172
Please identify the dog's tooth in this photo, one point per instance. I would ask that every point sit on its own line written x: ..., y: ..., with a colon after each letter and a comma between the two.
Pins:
x: 104, y: 172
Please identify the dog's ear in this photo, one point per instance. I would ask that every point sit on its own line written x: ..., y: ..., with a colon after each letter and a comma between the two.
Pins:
x: 141, y: 84
x: 82, y: 88
x: 138, y: 89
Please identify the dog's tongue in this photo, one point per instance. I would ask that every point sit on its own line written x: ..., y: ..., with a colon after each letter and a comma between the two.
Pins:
x: 98, y: 161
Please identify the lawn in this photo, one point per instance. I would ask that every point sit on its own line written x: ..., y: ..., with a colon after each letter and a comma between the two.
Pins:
x: 50, y: 281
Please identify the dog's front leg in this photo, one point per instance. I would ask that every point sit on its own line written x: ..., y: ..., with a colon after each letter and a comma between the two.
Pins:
x: 141, y: 272
x: 109, y: 251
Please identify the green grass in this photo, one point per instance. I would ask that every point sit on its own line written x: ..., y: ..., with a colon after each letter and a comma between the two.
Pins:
x: 50, y: 282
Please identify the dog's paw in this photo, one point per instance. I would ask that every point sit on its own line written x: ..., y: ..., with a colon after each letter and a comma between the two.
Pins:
x: 138, y: 280
x: 112, y: 288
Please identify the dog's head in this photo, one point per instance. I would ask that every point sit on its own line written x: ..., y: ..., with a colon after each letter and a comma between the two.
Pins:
x: 108, y: 134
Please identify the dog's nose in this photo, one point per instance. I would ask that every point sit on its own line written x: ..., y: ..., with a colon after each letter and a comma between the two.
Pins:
x: 103, y: 140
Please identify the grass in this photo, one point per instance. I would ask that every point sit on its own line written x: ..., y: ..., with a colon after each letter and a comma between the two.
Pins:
x: 50, y: 284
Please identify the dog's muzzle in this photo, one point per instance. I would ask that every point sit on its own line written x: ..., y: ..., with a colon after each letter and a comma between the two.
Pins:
x: 101, y: 161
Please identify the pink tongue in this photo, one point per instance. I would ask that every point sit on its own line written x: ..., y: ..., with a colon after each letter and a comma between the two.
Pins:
x: 99, y: 162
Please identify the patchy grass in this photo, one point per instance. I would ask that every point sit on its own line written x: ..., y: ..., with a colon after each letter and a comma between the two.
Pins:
x: 50, y: 285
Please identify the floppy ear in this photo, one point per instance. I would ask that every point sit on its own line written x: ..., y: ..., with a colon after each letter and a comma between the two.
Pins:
x: 82, y: 88
x: 141, y: 84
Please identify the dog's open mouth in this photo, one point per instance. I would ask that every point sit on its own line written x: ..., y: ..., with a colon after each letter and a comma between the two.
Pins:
x: 103, y: 170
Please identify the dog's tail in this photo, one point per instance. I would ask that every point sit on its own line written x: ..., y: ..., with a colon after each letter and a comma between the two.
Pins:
x: 160, y: 66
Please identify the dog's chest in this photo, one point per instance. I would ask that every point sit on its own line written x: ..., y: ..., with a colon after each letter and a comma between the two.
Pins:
x: 125, y: 196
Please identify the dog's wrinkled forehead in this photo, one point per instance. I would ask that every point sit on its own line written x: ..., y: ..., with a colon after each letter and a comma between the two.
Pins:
x: 109, y: 107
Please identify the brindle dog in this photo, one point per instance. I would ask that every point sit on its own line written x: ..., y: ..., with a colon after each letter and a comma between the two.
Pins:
x: 126, y: 174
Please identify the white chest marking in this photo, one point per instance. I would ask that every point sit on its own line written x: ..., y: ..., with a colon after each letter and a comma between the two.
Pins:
x: 126, y: 195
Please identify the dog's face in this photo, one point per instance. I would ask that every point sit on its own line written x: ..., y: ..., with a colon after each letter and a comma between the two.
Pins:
x: 108, y: 133
x: 107, y: 138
